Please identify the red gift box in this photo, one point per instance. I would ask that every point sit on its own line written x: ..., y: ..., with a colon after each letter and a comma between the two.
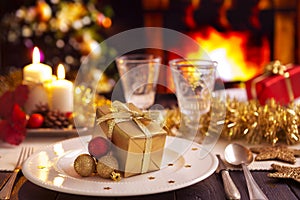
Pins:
x: 280, y: 84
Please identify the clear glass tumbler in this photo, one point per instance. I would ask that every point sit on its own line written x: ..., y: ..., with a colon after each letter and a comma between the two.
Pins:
x: 139, y: 74
x: 194, y: 83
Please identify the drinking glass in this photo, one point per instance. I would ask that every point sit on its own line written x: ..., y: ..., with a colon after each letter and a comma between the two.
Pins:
x: 139, y: 75
x: 194, y: 81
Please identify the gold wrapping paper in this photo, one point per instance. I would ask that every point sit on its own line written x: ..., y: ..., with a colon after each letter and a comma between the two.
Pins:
x: 130, y: 142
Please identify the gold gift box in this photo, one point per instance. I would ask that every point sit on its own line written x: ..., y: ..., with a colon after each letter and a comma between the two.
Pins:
x: 130, y: 143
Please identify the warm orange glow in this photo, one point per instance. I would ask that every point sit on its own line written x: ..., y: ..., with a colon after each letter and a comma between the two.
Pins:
x: 236, y: 60
x: 61, y: 72
x: 44, y: 10
x: 106, y: 22
x: 36, y: 57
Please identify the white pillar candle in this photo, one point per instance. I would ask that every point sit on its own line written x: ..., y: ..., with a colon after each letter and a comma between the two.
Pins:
x: 37, y: 72
x: 62, y: 92
x: 36, y: 75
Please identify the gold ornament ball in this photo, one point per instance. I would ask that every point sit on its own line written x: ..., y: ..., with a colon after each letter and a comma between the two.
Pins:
x: 85, y: 165
x: 44, y: 11
x: 106, y: 166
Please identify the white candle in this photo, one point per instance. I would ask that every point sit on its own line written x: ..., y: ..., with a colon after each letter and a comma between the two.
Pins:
x: 37, y: 72
x: 36, y: 75
x: 62, y: 92
x: 37, y: 95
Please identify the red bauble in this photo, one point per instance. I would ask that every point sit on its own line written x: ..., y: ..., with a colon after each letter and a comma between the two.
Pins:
x: 36, y: 120
x: 99, y: 146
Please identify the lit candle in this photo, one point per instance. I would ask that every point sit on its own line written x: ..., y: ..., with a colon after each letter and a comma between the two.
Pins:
x: 62, y: 92
x: 36, y: 75
x: 37, y: 72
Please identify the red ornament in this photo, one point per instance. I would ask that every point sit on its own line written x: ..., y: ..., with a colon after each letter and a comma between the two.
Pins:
x: 36, y: 120
x: 69, y: 115
x: 98, y: 147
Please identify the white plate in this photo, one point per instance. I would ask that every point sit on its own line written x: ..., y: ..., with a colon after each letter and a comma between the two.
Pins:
x: 52, y: 168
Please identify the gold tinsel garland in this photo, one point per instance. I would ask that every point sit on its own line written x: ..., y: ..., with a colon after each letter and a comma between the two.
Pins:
x: 271, y: 123
x: 10, y: 81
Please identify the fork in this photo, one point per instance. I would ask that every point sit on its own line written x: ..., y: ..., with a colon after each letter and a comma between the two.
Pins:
x: 5, y: 192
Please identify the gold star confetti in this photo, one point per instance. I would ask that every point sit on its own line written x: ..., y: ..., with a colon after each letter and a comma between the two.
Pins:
x: 281, y: 153
x: 194, y: 149
x: 285, y: 172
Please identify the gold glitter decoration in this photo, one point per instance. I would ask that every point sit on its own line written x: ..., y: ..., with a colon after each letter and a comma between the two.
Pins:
x: 10, y: 81
x: 115, y: 176
x: 188, y: 166
x: 281, y: 153
x: 270, y: 123
x: 171, y: 181
x: 170, y: 164
x: 107, y: 188
x: 285, y: 172
x: 84, y: 165
x: 106, y: 167
x: 172, y: 120
x: 194, y: 149
x: 151, y: 177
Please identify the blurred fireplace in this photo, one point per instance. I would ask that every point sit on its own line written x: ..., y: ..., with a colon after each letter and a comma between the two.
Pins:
x: 233, y: 35
x: 242, y: 35
x: 240, y: 55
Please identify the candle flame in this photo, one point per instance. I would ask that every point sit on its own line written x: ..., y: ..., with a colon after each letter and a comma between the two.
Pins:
x: 36, y: 57
x: 61, y: 72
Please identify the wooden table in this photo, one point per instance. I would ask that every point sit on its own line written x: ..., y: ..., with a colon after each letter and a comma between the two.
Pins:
x: 210, y: 188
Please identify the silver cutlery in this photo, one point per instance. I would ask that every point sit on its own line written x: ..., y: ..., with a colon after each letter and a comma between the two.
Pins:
x: 230, y: 188
x: 237, y: 154
x: 6, y: 191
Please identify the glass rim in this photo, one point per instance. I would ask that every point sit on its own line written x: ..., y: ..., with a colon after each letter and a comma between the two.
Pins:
x: 199, y: 63
x: 133, y: 58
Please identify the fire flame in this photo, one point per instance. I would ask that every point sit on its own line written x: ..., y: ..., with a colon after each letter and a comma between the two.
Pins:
x: 237, y: 61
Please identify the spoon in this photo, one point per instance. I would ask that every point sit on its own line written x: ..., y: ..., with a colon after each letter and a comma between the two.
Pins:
x: 236, y: 154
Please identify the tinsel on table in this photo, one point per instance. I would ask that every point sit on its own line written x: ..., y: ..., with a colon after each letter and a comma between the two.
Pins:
x: 271, y: 123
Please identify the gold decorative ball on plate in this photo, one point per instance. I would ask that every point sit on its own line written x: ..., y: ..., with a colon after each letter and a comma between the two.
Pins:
x: 85, y: 165
x: 106, y: 166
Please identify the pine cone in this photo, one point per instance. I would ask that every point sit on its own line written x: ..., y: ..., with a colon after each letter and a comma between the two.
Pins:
x: 56, y: 119
x: 42, y: 109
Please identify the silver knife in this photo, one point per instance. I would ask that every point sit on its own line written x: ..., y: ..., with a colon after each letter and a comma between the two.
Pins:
x: 230, y: 188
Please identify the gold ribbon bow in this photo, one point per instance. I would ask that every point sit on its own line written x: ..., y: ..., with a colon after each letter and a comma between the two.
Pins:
x: 274, y: 68
x: 121, y: 112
